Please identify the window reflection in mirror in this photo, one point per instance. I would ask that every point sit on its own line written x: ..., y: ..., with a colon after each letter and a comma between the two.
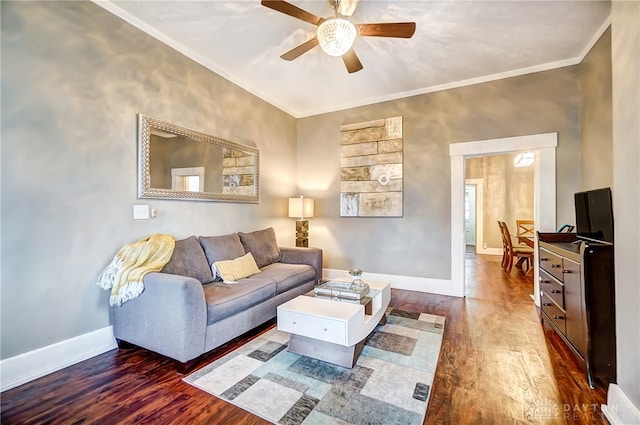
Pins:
x: 190, y: 179
x: 172, y: 156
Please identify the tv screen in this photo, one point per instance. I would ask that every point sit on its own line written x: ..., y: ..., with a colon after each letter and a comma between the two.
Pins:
x: 594, y: 215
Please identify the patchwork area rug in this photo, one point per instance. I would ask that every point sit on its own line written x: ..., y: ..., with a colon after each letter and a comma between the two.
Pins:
x: 390, y: 383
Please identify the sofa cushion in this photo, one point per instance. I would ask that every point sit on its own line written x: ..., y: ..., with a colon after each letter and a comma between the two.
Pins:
x: 233, y: 270
x: 288, y: 276
x: 188, y: 259
x: 220, y: 248
x: 226, y: 300
x: 263, y: 245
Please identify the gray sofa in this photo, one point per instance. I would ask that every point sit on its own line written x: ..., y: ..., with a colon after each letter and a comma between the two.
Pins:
x: 184, y: 312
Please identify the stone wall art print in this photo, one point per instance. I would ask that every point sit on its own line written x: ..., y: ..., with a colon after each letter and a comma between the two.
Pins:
x: 371, y: 175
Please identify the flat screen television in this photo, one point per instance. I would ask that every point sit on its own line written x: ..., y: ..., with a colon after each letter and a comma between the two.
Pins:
x: 594, y: 215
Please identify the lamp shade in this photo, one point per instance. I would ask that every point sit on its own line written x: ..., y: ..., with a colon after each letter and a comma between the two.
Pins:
x: 301, y: 207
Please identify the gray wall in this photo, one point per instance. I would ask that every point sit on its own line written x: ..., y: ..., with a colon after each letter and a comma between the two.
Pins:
x: 419, y: 244
x: 610, y: 132
x: 596, y: 116
x: 626, y: 193
x: 73, y: 78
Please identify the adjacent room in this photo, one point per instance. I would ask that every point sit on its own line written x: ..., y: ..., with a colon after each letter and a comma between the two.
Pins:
x: 313, y: 212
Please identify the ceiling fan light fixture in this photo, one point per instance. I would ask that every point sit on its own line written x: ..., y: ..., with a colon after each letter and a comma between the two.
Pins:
x: 524, y: 159
x: 336, y: 36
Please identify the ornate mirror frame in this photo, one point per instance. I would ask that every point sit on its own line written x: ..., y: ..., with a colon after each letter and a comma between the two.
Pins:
x: 239, y: 167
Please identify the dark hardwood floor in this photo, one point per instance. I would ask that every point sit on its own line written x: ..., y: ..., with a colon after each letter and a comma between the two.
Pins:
x: 497, y: 366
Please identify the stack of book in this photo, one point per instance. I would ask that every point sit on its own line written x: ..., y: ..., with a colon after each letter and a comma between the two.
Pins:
x: 342, y: 290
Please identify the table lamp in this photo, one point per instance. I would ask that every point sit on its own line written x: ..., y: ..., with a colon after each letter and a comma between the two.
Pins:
x: 301, y: 208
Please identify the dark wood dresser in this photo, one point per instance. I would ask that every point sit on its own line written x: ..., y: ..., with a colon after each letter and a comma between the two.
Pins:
x: 577, y: 296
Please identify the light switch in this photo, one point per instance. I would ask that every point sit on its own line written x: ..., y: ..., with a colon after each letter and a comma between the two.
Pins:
x: 141, y: 212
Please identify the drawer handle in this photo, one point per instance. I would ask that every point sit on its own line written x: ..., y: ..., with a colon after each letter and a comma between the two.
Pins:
x: 546, y: 304
x: 544, y: 259
x: 555, y: 266
x: 567, y: 271
x: 544, y: 281
x: 295, y: 323
x: 325, y: 329
x: 557, y: 316
x: 556, y: 291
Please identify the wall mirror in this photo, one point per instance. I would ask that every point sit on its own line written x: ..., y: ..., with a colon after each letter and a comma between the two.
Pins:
x: 178, y: 163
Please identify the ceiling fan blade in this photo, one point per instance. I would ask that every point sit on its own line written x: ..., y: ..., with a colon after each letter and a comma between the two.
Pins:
x: 347, y: 7
x: 291, y: 10
x: 303, y: 48
x: 391, y: 29
x: 352, y: 62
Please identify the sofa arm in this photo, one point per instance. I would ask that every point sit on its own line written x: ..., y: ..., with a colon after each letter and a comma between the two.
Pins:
x: 169, y: 317
x: 310, y: 256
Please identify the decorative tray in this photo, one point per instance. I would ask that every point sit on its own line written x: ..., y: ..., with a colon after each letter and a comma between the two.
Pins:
x: 339, y: 289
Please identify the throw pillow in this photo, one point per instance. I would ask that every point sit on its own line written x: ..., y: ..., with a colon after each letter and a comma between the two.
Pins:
x: 233, y: 270
x: 263, y: 245
x: 188, y: 260
x: 219, y: 248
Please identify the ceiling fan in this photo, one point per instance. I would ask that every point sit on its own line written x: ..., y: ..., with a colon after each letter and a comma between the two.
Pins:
x: 336, y: 35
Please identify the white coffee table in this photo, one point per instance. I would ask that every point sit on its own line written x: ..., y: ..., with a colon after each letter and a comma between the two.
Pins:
x: 331, y: 330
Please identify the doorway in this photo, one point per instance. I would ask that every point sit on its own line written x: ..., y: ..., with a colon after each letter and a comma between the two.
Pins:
x: 544, y: 190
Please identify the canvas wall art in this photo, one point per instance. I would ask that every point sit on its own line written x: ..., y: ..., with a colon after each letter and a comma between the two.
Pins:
x: 371, y: 175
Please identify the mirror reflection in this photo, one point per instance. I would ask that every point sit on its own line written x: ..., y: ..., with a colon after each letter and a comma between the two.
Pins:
x: 178, y: 163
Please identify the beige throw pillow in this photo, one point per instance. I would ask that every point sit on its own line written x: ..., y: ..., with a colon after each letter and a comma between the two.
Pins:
x: 233, y: 270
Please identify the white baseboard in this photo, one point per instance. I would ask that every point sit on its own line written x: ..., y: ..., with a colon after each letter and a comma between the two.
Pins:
x: 26, y: 367
x: 619, y: 410
x: 489, y: 251
x: 410, y: 283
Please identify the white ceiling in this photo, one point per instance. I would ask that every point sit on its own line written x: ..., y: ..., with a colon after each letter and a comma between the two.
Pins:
x: 456, y: 43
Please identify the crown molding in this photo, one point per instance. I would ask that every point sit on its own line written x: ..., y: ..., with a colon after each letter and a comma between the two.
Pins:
x: 606, y: 24
x: 447, y: 86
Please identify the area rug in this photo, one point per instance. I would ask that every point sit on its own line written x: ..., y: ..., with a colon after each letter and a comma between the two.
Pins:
x: 390, y: 383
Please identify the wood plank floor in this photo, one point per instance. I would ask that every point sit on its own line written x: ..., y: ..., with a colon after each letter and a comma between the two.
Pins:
x: 497, y: 366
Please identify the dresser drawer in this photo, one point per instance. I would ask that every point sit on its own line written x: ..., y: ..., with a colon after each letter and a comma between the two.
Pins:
x: 553, y: 288
x: 554, y: 313
x: 551, y: 263
x: 317, y: 327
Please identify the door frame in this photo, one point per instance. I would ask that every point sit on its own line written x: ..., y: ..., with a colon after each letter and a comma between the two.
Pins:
x: 544, y: 191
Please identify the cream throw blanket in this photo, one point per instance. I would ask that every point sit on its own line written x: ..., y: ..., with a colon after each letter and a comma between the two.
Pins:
x: 125, y: 273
